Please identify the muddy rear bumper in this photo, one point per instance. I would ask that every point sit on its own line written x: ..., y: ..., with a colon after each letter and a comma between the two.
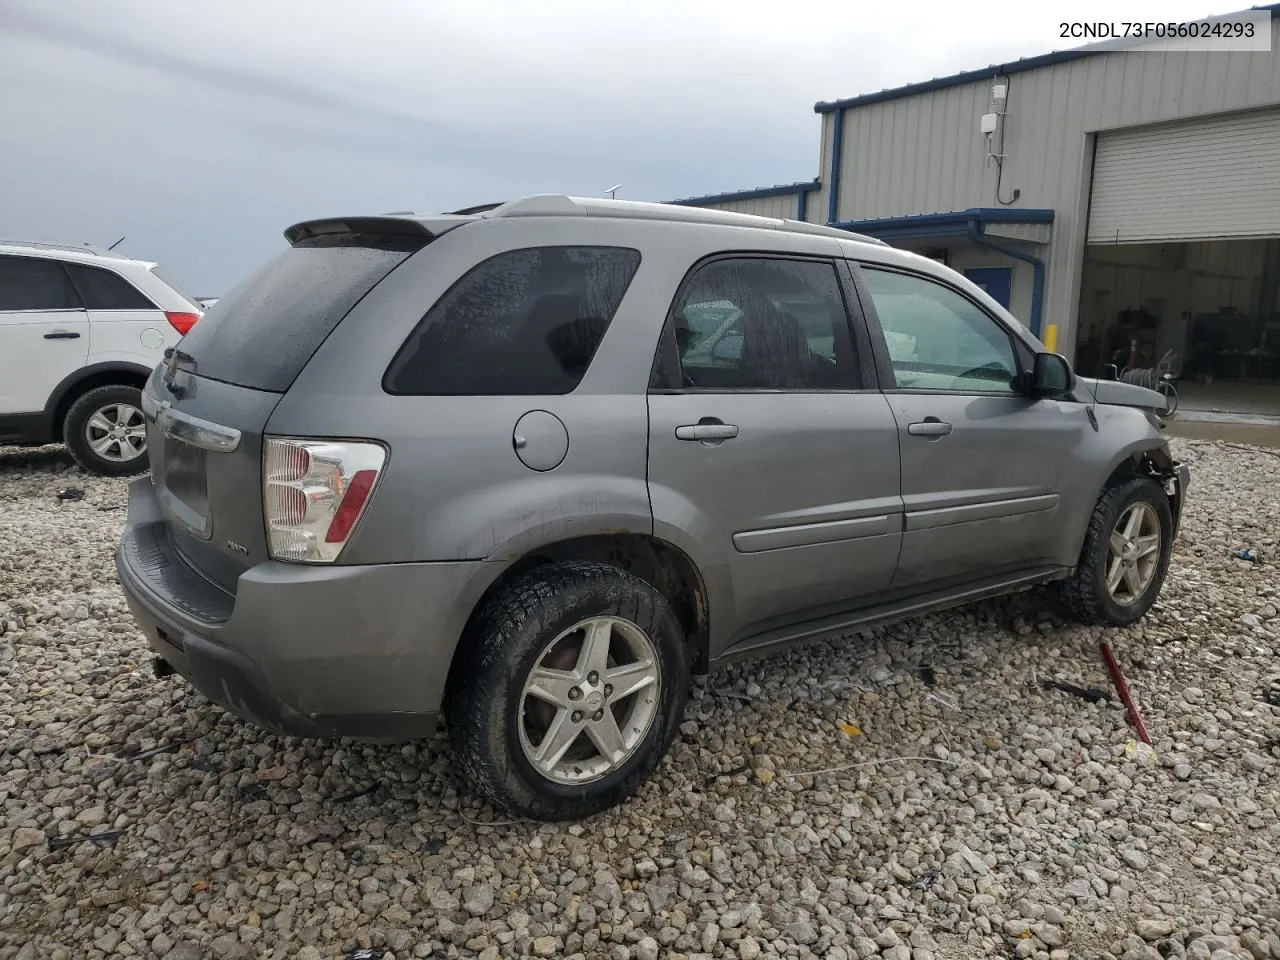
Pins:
x: 303, y: 650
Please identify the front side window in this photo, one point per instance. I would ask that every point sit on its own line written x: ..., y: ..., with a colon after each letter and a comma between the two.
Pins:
x: 525, y: 322
x: 756, y: 323
x: 33, y: 283
x: 938, y: 339
x: 103, y: 290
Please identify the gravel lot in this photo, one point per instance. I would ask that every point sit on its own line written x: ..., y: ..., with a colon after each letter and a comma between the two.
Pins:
x: 972, y: 813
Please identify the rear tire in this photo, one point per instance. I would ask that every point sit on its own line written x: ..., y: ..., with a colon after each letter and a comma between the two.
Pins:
x: 1125, y: 556
x: 105, y: 431
x: 538, y: 707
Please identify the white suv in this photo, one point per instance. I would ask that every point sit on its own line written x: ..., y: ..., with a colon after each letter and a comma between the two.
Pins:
x: 80, y: 332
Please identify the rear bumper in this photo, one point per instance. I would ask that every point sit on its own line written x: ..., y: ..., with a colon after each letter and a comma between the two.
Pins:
x: 312, y: 651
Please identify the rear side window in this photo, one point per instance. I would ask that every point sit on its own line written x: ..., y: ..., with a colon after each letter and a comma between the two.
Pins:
x: 759, y: 323
x: 263, y: 332
x: 104, y: 290
x: 522, y: 322
x: 31, y: 283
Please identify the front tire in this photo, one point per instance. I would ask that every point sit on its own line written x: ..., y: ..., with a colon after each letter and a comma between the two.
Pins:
x: 1125, y: 557
x: 106, y: 433
x: 568, y: 689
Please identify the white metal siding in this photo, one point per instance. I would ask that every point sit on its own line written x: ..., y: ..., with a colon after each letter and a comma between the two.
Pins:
x: 925, y: 154
x: 1026, y: 232
x: 783, y: 206
x: 1207, y: 180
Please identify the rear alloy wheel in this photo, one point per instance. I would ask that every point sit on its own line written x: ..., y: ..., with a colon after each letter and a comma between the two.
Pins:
x: 106, y: 431
x: 568, y: 689
x: 1125, y: 556
x: 589, y: 700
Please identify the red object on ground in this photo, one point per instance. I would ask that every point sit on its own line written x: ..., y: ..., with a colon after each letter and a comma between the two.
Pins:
x: 1123, y: 689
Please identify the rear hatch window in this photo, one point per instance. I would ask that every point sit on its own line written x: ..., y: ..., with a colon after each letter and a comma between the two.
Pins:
x: 263, y: 332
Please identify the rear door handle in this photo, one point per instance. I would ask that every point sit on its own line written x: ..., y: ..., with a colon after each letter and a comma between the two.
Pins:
x: 929, y: 427
x: 62, y: 335
x: 707, y: 431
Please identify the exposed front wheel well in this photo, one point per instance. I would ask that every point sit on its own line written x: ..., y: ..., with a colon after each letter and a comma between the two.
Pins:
x: 664, y: 566
x: 1155, y: 463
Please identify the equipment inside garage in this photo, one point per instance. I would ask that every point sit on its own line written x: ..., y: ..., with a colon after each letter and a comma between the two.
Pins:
x: 1182, y: 262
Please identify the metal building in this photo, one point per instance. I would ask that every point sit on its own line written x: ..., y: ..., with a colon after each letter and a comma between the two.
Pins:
x: 1124, y: 203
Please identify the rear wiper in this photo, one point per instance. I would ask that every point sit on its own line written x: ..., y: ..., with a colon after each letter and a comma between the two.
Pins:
x: 175, y: 359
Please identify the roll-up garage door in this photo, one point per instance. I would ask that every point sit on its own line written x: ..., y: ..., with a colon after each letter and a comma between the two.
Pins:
x: 1200, y: 180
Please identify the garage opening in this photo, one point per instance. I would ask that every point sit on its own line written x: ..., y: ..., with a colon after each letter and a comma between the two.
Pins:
x: 1206, y: 311
x: 1182, y: 262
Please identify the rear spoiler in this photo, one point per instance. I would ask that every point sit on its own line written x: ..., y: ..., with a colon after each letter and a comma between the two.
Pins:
x: 424, y: 230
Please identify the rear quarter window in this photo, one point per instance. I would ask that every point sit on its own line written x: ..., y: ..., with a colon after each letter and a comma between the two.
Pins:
x: 264, y: 332
x: 524, y: 322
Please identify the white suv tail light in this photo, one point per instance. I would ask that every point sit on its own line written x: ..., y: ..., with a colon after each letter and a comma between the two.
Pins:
x: 314, y: 492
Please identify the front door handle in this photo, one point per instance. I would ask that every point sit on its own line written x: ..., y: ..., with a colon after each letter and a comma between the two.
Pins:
x: 708, y: 429
x: 929, y: 427
x: 62, y: 335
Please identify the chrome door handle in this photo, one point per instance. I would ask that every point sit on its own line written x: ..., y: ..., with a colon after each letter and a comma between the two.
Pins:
x: 707, y: 431
x: 929, y: 427
x: 62, y: 335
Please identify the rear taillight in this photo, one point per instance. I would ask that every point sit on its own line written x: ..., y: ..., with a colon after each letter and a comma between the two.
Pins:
x: 314, y: 493
x: 182, y: 322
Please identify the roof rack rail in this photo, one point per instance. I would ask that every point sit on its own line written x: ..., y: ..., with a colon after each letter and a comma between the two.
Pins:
x: 552, y: 205
x: 472, y: 211
x: 65, y: 248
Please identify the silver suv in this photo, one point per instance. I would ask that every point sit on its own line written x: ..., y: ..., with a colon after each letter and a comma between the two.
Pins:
x: 532, y: 466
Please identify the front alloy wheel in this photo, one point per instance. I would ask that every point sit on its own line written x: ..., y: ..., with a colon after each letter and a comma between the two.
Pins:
x: 1125, y: 555
x: 1133, y: 556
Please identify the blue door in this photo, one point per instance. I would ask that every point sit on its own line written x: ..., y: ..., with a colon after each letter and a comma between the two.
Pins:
x: 996, y: 282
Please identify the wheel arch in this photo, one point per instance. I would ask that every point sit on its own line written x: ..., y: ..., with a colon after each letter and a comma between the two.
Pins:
x: 658, y: 562
x: 76, y: 385
x: 1149, y: 457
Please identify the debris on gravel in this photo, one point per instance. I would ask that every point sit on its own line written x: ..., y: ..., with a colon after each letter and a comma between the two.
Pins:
x: 973, y: 811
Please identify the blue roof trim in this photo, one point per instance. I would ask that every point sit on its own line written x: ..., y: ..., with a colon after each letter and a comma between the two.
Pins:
x: 982, y: 73
x: 955, y: 80
x: 782, y: 190
x: 929, y: 224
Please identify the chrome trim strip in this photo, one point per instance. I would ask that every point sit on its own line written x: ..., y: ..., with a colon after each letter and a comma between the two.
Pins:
x: 810, y: 534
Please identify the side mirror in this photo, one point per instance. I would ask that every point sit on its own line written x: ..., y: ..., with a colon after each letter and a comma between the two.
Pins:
x: 1051, y: 376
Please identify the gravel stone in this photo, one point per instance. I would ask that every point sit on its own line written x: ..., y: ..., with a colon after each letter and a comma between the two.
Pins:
x: 478, y: 900
x: 1034, y: 811
x: 549, y: 946
x: 1153, y: 930
x: 24, y: 838
x: 1135, y: 858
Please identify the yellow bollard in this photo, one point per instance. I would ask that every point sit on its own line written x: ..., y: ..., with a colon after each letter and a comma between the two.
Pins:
x: 1051, y: 337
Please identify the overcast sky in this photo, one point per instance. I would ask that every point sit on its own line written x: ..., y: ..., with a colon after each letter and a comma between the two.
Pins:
x: 201, y: 130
